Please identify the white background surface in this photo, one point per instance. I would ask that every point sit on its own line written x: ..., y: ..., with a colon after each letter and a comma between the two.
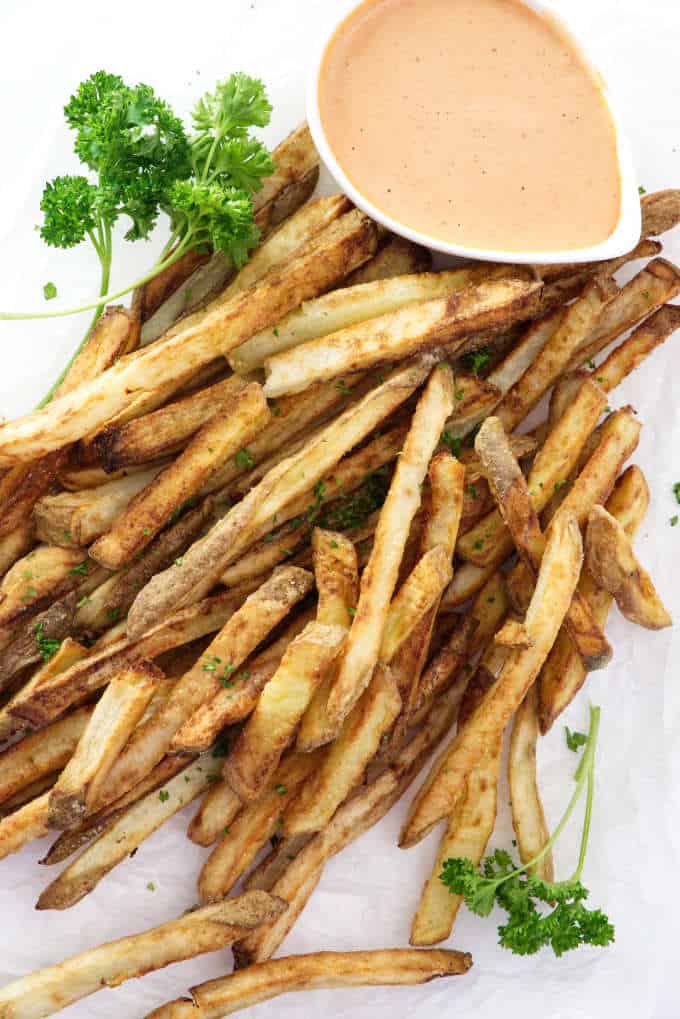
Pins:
x: 367, y: 896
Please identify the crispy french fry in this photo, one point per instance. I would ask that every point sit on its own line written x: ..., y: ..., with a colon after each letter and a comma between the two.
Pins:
x: 519, y: 359
x: 23, y: 826
x: 68, y: 653
x: 28, y: 793
x: 337, y: 576
x: 269, y: 870
x: 419, y: 592
x: 468, y: 580
x: 303, y: 972
x: 443, y: 669
x: 223, y: 436
x: 41, y: 753
x: 403, y: 333
x: 615, y: 567
x: 643, y: 249
x: 16, y: 543
x: 251, y: 765
x: 629, y: 354
x: 337, y: 250
x: 35, y: 637
x: 660, y: 212
x: 217, y: 810
x: 380, y: 576
x: 397, y: 257
x: 469, y: 829
x: 115, y: 716
x: 575, y: 325
x: 252, y: 827
x: 563, y: 674
x: 124, y: 836
x: 201, y: 930
x: 513, y: 634
x: 75, y: 519
x: 251, y: 518
x: 528, y: 818
x: 556, y: 583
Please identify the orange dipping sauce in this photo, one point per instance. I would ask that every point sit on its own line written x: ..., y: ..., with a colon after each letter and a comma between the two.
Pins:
x: 477, y: 122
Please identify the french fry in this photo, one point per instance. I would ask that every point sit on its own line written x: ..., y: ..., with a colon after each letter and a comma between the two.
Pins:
x: 468, y: 580
x: 297, y: 170
x: 489, y: 540
x: 115, y: 716
x: 201, y: 930
x: 555, y: 586
x: 128, y: 832
x: 516, y: 507
x: 643, y: 249
x: 22, y: 487
x: 16, y: 543
x: 396, y: 258
x: 347, y: 307
x: 29, y: 792
x: 575, y: 325
x: 217, y: 810
x: 337, y: 250
x: 519, y: 359
x: 614, y: 567
x: 629, y: 354
x: 57, y: 693
x: 528, y: 819
x: 252, y: 827
x: 469, y: 829
x: 380, y: 575
x: 563, y: 674
x: 223, y: 436
x: 419, y: 592
x: 660, y: 212
x: 251, y: 518
x: 284, y: 700
x: 403, y: 333
x: 23, y: 826
x: 35, y: 638
x: 269, y: 870
x: 76, y: 519
x: 513, y: 634
x: 68, y: 653
x: 304, y: 972
x: 41, y: 753
x: 153, y: 294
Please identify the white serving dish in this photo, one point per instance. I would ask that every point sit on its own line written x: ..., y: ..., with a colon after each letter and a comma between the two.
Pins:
x: 624, y: 236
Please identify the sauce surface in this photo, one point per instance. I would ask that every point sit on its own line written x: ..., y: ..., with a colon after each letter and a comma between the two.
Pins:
x: 477, y: 122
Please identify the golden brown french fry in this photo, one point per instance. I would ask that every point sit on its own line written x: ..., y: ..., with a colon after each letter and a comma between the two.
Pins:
x: 217, y: 810
x: 380, y: 576
x: 575, y: 325
x: 200, y: 930
x: 303, y: 972
x: 115, y: 716
x: 396, y: 258
x: 555, y: 586
x: 660, y: 212
x: 528, y: 818
x: 333, y: 253
x: 336, y: 575
x: 22, y: 486
x: 68, y: 653
x: 643, y: 249
x: 23, y: 826
x: 629, y: 354
x: 252, y: 827
x: 412, y: 329
x: 519, y: 359
x: 251, y: 518
x: 419, y: 592
x: 270, y: 869
x: 469, y: 829
x: 75, y: 519
x: 223, y: 436
x: 614, y: 566
x: 127, y: 833
x: 513, y: 634
x: 564, y: 674
x: 153, y: 294
x: 250, y: 767
x: 41, y: 753
x: 16, y: 543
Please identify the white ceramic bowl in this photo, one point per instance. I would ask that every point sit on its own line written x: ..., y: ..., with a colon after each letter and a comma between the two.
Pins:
x: 624, y: 237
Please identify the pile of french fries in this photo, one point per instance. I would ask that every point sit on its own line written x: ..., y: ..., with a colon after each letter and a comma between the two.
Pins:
x: 284, y: 518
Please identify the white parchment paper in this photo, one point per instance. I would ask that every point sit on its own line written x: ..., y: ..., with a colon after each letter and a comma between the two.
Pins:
x: 367, y: 895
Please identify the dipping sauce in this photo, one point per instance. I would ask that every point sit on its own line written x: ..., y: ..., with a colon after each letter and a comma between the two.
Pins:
x: 477, y: 122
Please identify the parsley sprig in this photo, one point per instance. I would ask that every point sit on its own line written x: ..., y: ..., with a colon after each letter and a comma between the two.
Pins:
x: 523, y: 896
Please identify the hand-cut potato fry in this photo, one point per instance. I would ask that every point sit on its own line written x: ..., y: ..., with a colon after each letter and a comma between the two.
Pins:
x: 513, y: 634
x: 629, y: 354
x: 223, y: 436
x: 124, y: 836
x: 564, y: 674
x: 643, y: 249
x: 519, y: 359
x: 251, y: 518
x: 396, y: 258
x: 517, y: 509
x: 41, y: 753
x: 166, y: 430
x: 380, y: 575
x: 68, y: 653
x: 284, y: 700
x: 115, y: 333
x: 468, y: 580
x: 217, y: 810
x: 116, y: 714
x: 22, y: 486
x: 16, y: 543
x: 57, y: 693
x: 470, y: 827
x: 615, y: 567
x: 443, y: 669
x: 489, y: 668
x: 575, y: 325
x: 23, y: 826
x: 35, y: 637
x: 152, y: 295
x: 252, y: 827
x: 402, y: 333
x: 656, y: 284
x: 75, y: 519
x: 305, y: 972
x: 419, y: 592
x: 528, y: 819
x: 270, y: 869
x: 555, y: 586
x: 200, y: 930
x: 94, y: 825
x: 660, y: 212
x: 333, y: 253
x: 349, y: 306
x: 336, y: 575
x: 475, y: 398
x: 29, y: 792
x: 345, y: 762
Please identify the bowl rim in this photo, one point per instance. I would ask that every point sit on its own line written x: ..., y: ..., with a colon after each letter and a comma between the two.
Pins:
x: 623, y: 238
